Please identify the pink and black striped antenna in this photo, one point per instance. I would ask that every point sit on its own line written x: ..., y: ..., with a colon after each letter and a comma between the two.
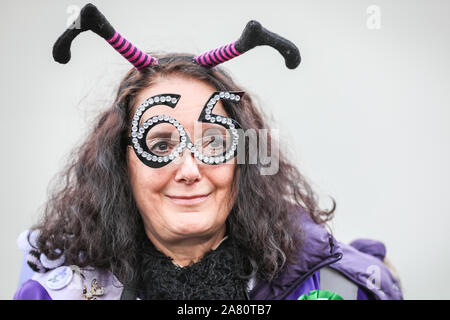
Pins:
x: 91, y: 18
x: 253, y: 35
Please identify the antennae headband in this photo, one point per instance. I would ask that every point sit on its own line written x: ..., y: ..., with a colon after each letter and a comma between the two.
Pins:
x: 254, y: 35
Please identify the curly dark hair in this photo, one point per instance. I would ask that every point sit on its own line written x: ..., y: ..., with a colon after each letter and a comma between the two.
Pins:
x: 91, y: 216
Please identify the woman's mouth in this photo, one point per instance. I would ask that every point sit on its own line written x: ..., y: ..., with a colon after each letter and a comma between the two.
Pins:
x: 189, y: 200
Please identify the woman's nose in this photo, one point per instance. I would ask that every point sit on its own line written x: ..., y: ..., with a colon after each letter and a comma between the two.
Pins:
x: 188, y: 170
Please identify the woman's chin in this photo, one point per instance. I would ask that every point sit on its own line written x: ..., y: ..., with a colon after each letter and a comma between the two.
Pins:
x: 191, y: 224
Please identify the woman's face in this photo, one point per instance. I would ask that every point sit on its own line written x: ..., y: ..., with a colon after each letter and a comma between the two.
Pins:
x: 186, y: 198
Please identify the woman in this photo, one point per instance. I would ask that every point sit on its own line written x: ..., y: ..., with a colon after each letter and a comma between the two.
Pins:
x: 162, y: 202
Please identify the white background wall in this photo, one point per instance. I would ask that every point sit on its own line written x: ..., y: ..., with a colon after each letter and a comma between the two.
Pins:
x: 366, y: 114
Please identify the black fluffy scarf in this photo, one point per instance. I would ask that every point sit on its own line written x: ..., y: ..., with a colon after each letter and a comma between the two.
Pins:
x: 220, y: 275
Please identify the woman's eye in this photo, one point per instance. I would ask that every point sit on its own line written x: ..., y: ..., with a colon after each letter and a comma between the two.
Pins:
x: 161, y: 147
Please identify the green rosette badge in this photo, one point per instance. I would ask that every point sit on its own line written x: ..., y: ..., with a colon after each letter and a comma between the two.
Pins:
x: 320, y: 295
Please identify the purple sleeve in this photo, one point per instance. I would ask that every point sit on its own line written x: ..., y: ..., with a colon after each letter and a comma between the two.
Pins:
x: 31, y: 290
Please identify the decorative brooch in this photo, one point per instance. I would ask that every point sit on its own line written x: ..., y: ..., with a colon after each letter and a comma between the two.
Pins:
x: 96, y: 290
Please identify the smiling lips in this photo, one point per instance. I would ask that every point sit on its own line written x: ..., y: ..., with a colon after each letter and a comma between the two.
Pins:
x: 187, y: 201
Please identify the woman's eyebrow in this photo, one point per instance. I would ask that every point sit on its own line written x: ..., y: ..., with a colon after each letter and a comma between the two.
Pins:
x: 159, y: 134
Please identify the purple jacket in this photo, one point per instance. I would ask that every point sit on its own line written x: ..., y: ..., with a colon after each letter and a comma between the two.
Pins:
x: 361, y: 262
x: 365, y: 268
